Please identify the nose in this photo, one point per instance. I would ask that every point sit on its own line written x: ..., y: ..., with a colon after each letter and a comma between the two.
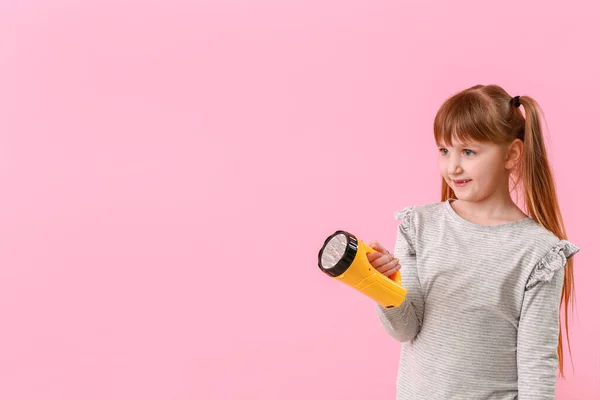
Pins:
x: 454, y: 167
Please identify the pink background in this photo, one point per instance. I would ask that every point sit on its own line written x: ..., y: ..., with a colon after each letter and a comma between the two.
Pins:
x: 169, y: 171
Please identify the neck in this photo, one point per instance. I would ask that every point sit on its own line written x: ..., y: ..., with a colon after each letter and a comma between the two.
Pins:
x: 493, y: 207
x: 497, y: 207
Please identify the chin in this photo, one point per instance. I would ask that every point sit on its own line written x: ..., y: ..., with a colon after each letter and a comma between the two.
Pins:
x: 472, y: 197
x: 467, y: 197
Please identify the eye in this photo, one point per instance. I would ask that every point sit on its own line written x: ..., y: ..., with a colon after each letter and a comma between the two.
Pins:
x: 468, y: 152
x: 443, y: 151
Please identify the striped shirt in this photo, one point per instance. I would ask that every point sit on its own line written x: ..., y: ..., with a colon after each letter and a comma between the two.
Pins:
x: 481, y: 317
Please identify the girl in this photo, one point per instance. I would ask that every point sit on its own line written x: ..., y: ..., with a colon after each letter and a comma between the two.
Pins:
x: 485, y: 280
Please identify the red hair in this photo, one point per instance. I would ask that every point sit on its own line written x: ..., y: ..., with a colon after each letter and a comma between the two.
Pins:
x: 488, y: 113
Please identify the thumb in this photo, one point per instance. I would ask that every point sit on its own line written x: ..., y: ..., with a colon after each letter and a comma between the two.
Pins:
x: 375, y: 245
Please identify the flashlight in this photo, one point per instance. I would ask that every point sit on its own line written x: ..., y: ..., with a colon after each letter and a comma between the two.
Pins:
x: 344, y: 257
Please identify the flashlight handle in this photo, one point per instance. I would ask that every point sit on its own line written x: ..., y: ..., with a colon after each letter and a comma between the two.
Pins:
x: 396, y: 277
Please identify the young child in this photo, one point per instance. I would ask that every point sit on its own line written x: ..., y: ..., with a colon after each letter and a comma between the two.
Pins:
x: 485, y: 280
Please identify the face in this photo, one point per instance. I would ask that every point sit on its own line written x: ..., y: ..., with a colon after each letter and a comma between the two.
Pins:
x: 476, y: 170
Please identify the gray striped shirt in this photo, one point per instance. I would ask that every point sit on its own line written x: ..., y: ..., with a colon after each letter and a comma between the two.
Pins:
x: 481, y: 317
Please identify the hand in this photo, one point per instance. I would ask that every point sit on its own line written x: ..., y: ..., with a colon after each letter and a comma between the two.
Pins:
x: 383, y: 261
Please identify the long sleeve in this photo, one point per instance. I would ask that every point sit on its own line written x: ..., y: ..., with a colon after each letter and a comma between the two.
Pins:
x: 539, y: 325
x: 404, y: 322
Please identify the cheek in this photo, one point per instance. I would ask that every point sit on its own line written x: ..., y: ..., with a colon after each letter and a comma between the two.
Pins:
x: 442, y: 164
x: 489, y: 171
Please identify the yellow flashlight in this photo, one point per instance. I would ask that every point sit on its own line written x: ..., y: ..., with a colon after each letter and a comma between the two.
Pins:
x: 344, y: 257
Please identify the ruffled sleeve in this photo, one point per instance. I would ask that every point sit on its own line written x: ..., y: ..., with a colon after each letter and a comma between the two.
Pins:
x: 555, y: 259
x: 405, y: 241
x: 403, y: 323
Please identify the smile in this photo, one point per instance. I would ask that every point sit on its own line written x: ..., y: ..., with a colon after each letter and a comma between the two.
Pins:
x: 461, y: 183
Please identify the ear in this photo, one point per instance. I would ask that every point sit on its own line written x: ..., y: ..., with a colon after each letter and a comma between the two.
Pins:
x: 514, y: 152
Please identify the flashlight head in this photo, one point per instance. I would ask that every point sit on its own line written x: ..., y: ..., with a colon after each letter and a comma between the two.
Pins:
x: 338, y: 253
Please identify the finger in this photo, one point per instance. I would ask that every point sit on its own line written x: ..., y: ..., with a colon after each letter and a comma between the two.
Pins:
x: 373, y: 256
x: 377, y: 253
x: 375, y: 245
x: 384, y: 262
x: 392, y: 271
x: 380, y: 260
x: 389, y: 266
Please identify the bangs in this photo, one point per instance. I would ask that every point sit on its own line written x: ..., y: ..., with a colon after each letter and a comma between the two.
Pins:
x: 465, y: 117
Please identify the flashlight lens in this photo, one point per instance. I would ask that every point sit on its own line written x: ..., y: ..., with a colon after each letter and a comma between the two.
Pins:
x: 334, y: 251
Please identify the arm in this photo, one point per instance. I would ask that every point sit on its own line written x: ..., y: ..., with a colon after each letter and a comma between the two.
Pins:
x: 537, y: 340
x: 404, y: 322
x: 539, y: 324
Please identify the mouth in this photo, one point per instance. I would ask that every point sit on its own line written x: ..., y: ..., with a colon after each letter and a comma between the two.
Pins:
x: 461, y: 182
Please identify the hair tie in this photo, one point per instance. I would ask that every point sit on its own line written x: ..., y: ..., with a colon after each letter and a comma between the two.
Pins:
x: 515, y: 101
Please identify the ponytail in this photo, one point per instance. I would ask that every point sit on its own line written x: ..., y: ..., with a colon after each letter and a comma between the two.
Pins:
x: 541, y: 201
